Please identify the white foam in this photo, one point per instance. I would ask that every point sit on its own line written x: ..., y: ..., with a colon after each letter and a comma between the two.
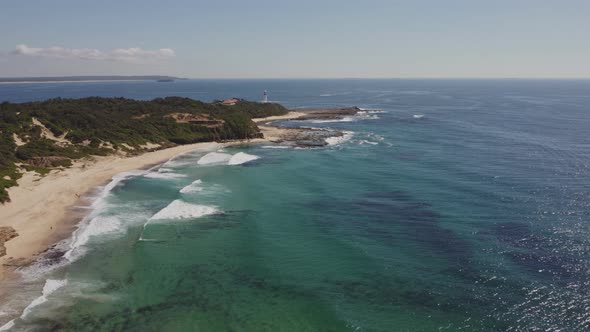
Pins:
x: 182, y: 210
x: 276, y: 147
x: 370, y: 110
x: 360, y: 115
x: 50, y: 287
x: 365, y: 116
x: 241, y: 158
x: 98, y: 226
x: 80, y: 236
x: 115, y: 181
x: 175, y: 162
x: 337, y: 140
x: 7, y: 326
x: 214, y: 158
x: 192, y: 188
x: 164, y: 175
x: 361, y: 142
x: 344, y: 119
x: 418, y: 116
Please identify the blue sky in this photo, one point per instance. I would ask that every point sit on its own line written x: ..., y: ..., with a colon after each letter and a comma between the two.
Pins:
x: 284, y: 39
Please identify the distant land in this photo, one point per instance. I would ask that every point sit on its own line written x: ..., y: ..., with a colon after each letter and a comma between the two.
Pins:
x: 87, y: 78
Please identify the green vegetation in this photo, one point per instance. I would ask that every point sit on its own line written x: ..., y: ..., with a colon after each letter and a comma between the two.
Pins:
x: 100, y: 126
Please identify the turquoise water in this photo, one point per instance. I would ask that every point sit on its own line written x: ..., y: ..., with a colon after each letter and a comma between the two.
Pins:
x: 462, y: 205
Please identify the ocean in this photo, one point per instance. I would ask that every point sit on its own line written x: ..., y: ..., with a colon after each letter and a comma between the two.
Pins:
x: 449, y: 205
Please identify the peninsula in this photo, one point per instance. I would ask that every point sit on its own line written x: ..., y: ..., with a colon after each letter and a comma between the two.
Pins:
x: 41, y: 136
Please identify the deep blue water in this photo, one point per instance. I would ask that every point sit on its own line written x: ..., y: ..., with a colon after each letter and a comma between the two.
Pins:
x: 463, y: 205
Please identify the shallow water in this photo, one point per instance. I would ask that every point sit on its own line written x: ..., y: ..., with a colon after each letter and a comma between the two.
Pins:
x: 462, y: 205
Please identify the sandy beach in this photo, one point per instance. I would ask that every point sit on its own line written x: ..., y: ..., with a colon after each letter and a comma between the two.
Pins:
x: 40, y: 208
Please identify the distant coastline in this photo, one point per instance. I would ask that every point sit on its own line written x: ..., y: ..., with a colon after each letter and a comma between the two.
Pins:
x: 83, y: 79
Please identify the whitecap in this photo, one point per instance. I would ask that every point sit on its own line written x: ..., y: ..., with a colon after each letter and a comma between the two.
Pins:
x: 366, y: 116
x: 344, y: 119
x: 360, y: 115
x: 79, y: 237
x: 214, y: 158
x: 7, y: 326
x: 98, y: 226
x: 114, y: 182
x: 179, y: 209
x: 276, y: 147
x: 370, y: 110
x: 418, y: 116
x: 192, y: 188
x: 241, y: 158
x: 50, y: 287
x: 164, y: 175
x: 361, y: 142
x: 337, y: 140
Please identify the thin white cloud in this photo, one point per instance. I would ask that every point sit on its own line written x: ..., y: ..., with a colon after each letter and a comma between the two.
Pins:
x: 133, y: 54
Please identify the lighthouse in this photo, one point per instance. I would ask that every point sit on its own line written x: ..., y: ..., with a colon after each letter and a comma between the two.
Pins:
x: 265, y: 97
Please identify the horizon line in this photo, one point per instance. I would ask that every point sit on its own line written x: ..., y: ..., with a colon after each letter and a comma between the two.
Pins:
x: 313, y: 78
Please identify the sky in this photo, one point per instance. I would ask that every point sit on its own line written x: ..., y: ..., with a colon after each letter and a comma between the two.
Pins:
x: 296, y: 38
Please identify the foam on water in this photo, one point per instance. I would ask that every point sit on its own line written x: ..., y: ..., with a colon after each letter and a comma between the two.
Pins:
x: 183, y: 159
x: 364, y: 141
x: 276, y: 147
x: 50, y: 287
x: 194, y: 187
x: 214, y: 158
x: 86, y: 229
x: 344, y: 119
x: 7, y: 326
x: 337, y: 140
x: 164, y: 175
x: 361, y: 115
x: 114, y: 182
x: 179, y: 209
x: 98, y: 226
x: 241, y: 158
x: 370, y: 110
x: 418, y: 116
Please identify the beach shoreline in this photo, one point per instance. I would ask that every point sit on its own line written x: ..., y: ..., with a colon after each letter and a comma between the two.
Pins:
x: 42, y: 209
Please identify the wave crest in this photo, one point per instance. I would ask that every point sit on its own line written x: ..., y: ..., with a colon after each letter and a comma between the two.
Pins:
x: 179, y: 209
x: 214, y: 158
x: 241, y: 158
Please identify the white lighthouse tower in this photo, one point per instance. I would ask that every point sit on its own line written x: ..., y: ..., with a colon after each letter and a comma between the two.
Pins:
x: 265, y: 97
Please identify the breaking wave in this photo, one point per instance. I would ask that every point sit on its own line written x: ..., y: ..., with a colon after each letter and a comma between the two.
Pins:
x: 179, y: 209
x: 359, y: 116
x: 164, y: 175
x: 214, y: 158
x: 91, y: 225
x: 220, y: 158
x: 276, y: 147
x: 192, y: 188
x: 337, y: 140
x: 49, y: 288
x: 241, y: 158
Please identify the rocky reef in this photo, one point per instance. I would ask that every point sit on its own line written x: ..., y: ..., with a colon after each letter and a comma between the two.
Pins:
x: 6, y: 233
